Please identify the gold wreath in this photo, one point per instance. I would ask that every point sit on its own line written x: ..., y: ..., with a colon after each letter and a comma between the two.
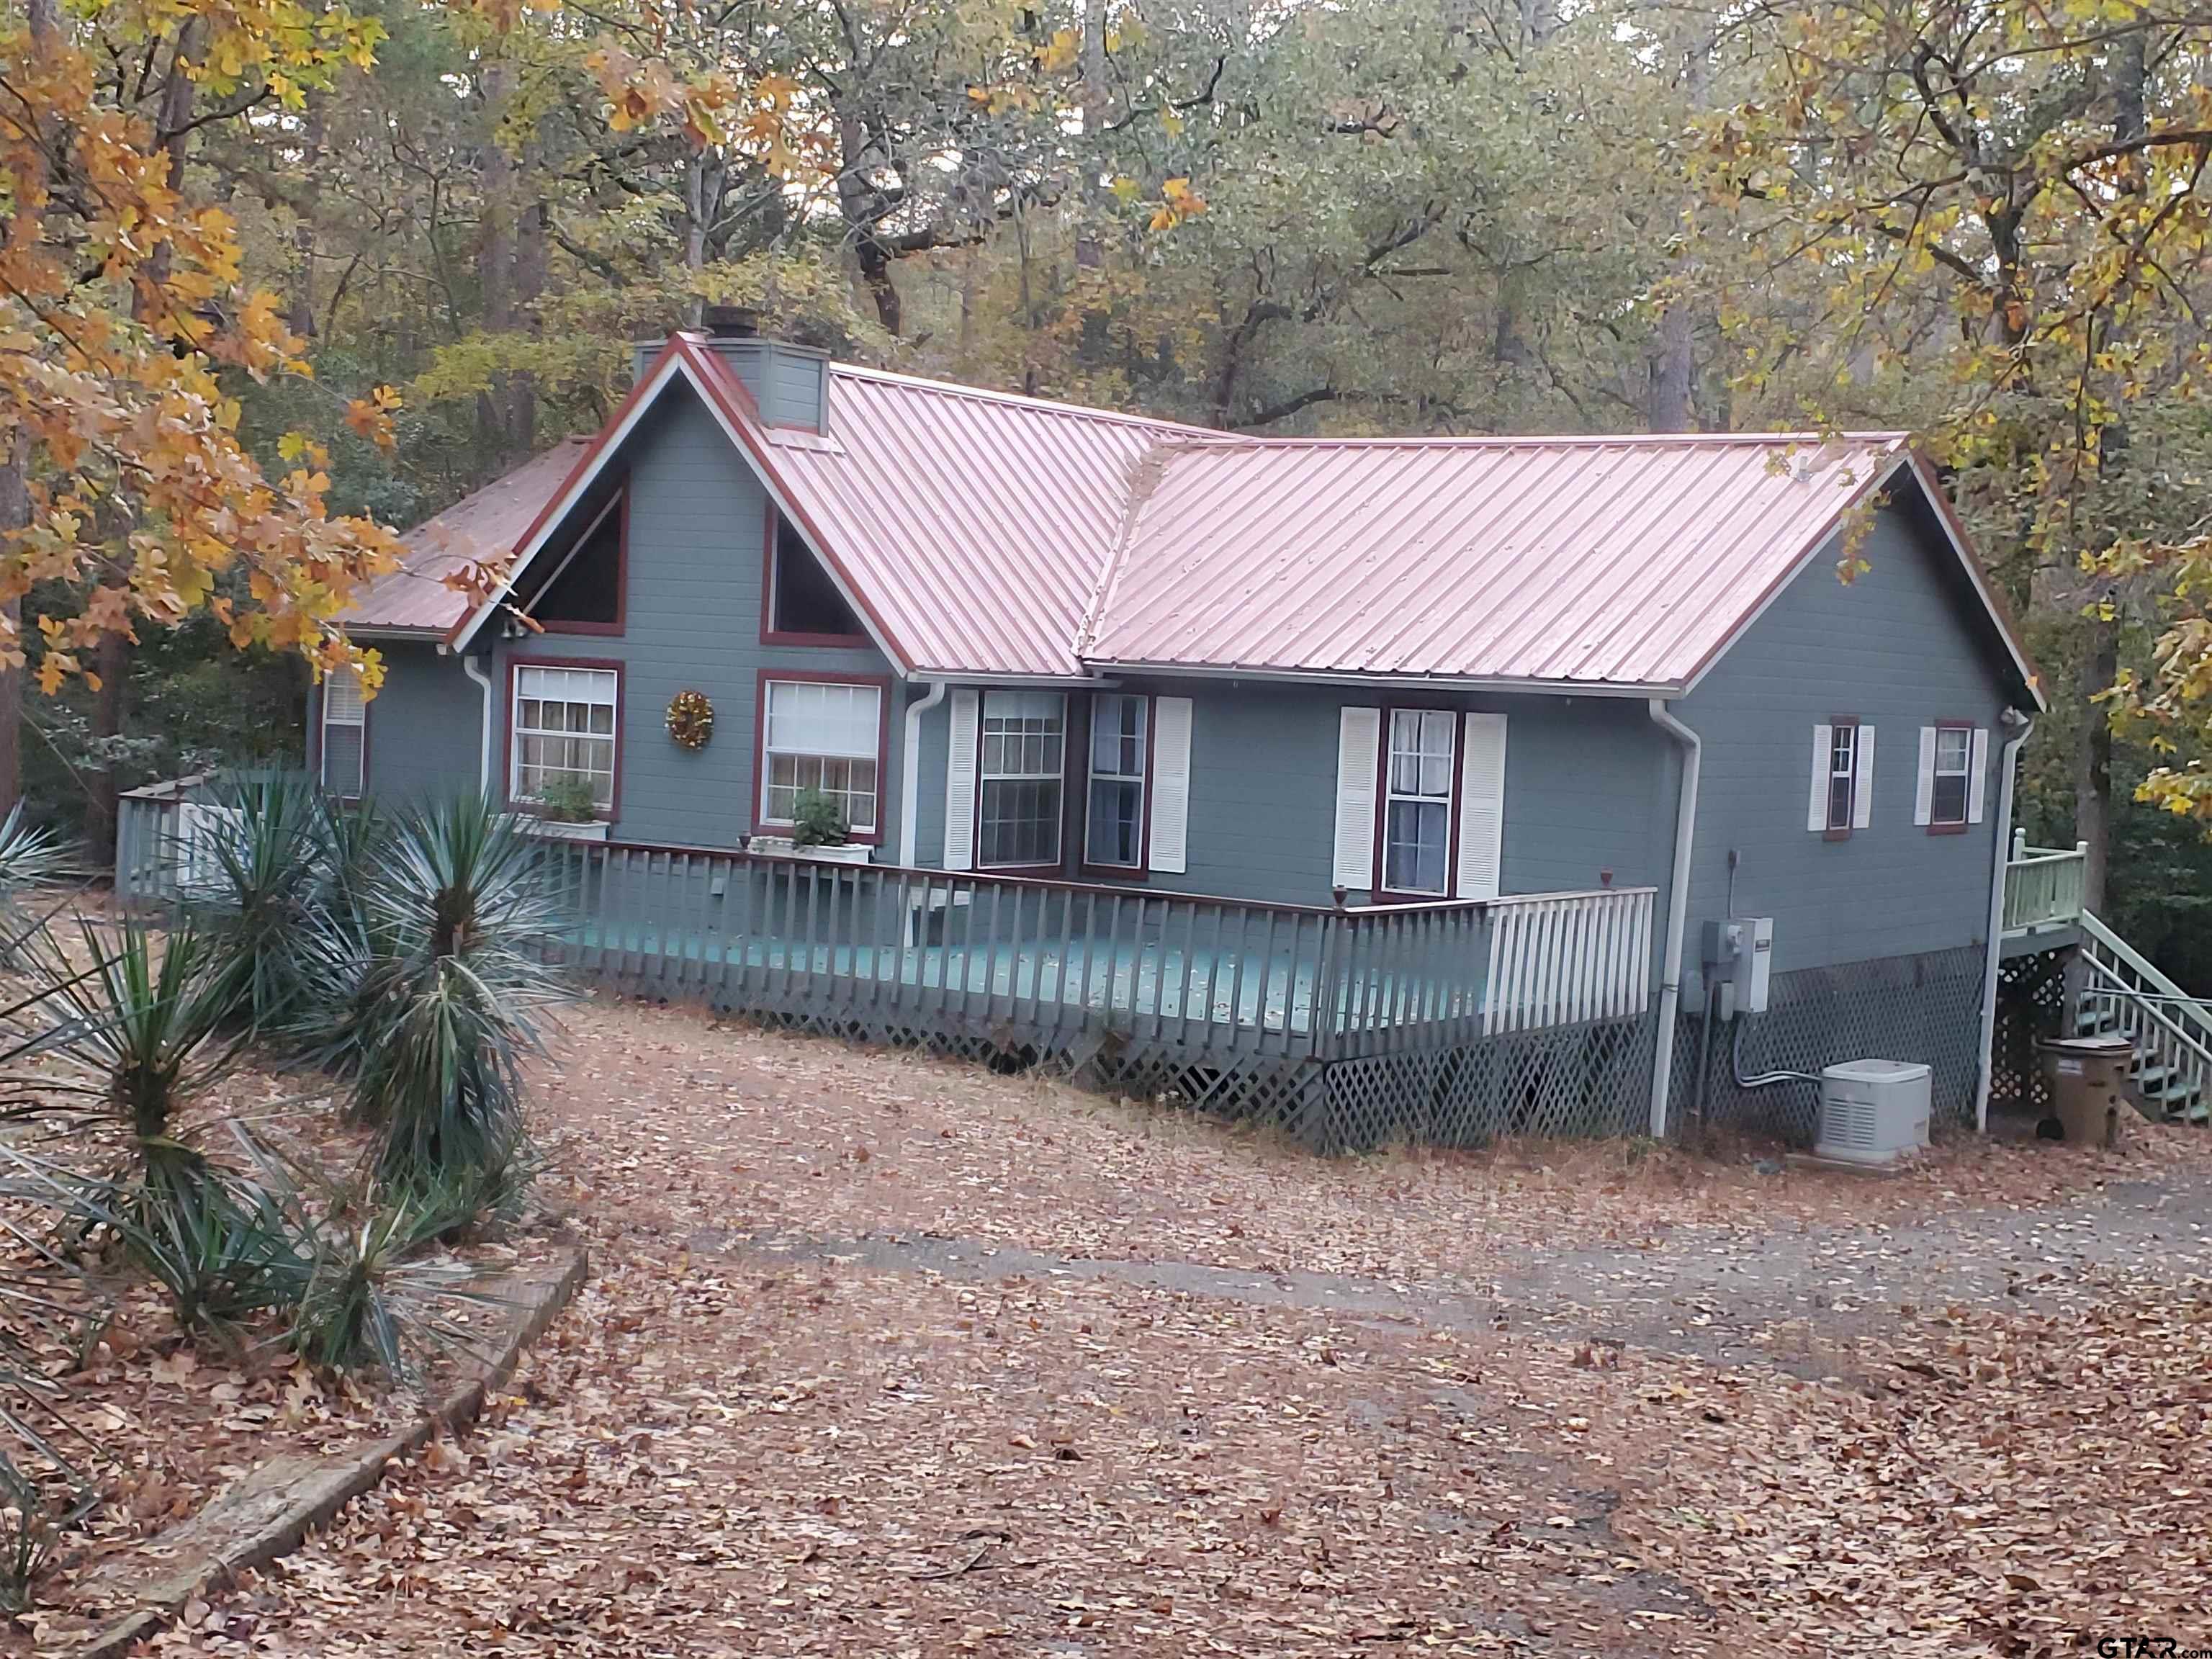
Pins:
x: 690, y: 718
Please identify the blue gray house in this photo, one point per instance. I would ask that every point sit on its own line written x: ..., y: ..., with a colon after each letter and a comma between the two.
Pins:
x: 1385, y: 787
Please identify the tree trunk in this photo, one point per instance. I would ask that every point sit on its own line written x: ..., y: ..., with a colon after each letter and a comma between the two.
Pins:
x: 301, y: 317
x: 112, y: 661
x: 2101, y: 656
x: 109, y: 711
x: 14, y: 514
x: 44, y: 18
x: 1674, y: 371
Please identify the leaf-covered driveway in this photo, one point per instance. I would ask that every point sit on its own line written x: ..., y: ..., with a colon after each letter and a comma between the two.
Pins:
x: 887, y: 1356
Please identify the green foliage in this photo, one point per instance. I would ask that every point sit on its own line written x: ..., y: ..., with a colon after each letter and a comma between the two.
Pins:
x: 436, y: 1019
x: 135, y: 1021
x: 368, y: 1298
x: 816, y: 821
x: 568, y: 798
x: 279, y: 862
x: 26, y: 1536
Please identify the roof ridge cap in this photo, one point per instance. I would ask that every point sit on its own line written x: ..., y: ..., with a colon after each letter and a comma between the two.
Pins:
x: 1018, y: 399
x: 1144, y: 474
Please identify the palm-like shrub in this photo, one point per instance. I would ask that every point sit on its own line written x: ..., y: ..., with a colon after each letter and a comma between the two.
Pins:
x: 449, y: 991
x: 266, y: 853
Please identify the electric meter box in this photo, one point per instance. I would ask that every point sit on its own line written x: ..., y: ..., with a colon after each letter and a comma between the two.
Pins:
x: 1738, y: 955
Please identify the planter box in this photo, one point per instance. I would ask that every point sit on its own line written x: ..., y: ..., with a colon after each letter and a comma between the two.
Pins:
x: 554, y: 830
x: 783, y: 847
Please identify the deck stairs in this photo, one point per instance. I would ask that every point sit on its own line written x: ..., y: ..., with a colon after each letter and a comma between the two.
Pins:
x: 2122, y: 993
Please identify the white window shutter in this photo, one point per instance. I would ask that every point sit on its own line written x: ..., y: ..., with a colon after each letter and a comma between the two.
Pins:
x: 1816, y: 810
x: 1862, y: 779
x: 1171, y: 783
x: 342, y: 697
x: 1482, y: 806
x: 1923, y: 797
x: 1977, y: 765
x: 960, y: 781
x: 1358, y: 754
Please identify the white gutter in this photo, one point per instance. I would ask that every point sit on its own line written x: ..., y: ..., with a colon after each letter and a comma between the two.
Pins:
x: 1678, y: 908
x: 483, y: 745
x: 909, y: 773
x: 2007, y: 768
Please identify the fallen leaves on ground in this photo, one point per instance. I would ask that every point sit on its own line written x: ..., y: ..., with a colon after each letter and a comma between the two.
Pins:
x: 726, y: 1448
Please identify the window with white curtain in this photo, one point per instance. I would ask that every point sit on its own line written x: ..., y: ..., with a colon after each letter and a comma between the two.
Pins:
x: 1417, y: 801
x: 564, y: 727
x: 345, y: 733
x: 1114, y: 827
x: 1955, y: 747
x: 1022, y: 766
x: 823, y: 737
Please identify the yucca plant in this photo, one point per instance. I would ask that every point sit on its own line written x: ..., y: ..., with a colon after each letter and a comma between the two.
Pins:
x: 271, y: 861
x: 126, y: 1026
x: 371, y: 1298
x: 448, y: 999
x: 26, y: 1536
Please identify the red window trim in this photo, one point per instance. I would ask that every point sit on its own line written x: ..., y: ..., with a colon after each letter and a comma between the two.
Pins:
x: 1376, y: 891
x: 1936, y: 826
x: 768, y: 632
x: 1066, y: 802
x: 765, y: 824
x: 1142, y: 869
x: 602, y: 630
x: 1843, y: 831
x: 507, y: 727
x: 321, y: 701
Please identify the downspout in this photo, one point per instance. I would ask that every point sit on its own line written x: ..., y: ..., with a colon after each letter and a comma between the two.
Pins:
x: 2007, y: 768
x: 1678, y: 909
x: 484, y: 742
x: 909, y: 773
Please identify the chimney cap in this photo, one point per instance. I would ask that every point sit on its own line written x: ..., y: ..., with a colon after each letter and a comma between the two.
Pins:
x: 729, y: 322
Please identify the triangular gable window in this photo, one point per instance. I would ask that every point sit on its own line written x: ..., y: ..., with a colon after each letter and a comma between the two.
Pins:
x: 804, y: 604
x: 583, y: 593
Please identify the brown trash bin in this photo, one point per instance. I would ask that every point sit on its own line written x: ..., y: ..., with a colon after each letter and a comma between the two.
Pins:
x: 2088, y: 1079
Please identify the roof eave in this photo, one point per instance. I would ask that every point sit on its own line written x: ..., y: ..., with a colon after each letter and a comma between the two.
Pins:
x: 1525, y: 684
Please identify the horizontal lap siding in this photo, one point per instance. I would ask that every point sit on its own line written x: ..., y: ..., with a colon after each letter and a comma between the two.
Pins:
x: 1897, y: 649
x: 1584, y: 779
x: 425, y: 724
x: 696, y: 519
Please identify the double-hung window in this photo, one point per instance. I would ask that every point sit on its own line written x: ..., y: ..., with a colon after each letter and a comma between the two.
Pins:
x: 1113, y: 825
x: 1417, y: 801
x: 564, y: 729
x: 1843, y: 775
x: 1953, y: 768
x: 822, y: 737
x: 1022, y: 766
x: 1953, y: 763
x: 345, y: 733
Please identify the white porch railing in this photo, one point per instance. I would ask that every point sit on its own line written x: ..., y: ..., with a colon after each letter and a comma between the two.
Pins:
x: 1561, y: 958
x: 2043, y: 885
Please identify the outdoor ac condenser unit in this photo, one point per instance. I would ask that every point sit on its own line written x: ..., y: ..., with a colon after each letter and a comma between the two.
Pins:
x: 1871, y: 1111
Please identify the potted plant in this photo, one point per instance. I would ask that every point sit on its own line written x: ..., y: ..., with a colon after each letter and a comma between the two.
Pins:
x: 818, y: 831
x: 567, y: 808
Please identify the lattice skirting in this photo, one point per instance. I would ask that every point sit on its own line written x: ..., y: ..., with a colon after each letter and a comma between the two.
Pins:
x: 2031, y: 1006
x: 1921, y: 1008
x: 1567, y: 1080
x: 1589, y: 1079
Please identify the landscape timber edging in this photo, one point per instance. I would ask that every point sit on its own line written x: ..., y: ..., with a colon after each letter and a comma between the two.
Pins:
x: 270, y: 1512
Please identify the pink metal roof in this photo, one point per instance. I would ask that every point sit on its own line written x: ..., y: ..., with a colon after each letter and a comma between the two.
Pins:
x: 478, y: 527
x: 1620, y: 561
x: 987, y: 535
x: 976, y: 523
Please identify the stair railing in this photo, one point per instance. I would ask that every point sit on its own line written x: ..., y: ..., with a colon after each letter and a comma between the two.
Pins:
x: 2169, y: 1029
